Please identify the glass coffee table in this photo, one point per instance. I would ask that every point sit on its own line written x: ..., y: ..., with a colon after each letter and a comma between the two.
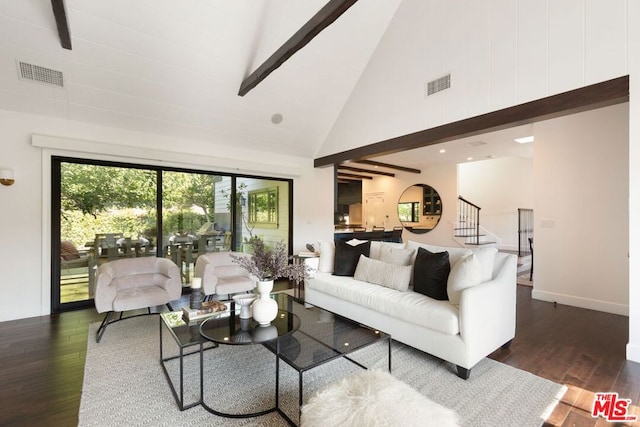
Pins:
x: 322, y: 337
x: 230, y: 329
x: 180, y: 343
x: 304, y: 337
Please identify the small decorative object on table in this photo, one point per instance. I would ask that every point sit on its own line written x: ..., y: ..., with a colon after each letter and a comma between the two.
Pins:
x: 207, y: 309
x: 195, y: 301
x: 268, y: 264
x: 244, y: 301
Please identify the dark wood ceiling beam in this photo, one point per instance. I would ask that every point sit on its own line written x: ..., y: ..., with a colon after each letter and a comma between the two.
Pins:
x: 321, y: 20
x: 351, y: 175
x: 598, y: 95
x: 387, y: 165
x: 375, y: 172
x: 60, y: 15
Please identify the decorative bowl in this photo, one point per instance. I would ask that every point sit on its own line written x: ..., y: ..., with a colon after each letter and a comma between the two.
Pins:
x: 244, y: 301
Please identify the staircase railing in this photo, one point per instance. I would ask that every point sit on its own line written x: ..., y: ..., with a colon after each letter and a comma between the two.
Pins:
x: 525, y: 231
x: 469, y: 221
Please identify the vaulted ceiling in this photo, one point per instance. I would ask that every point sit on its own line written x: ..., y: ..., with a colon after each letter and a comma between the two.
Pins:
x: 175, y: 67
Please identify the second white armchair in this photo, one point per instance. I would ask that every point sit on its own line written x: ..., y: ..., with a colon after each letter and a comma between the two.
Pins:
x: 221, y: 276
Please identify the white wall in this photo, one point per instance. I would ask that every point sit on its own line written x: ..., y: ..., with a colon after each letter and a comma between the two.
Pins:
x: 25, y: 218
x: 582, y: 211
x: 499, y: 187
x: 500, y: 53
x: 633, y: 347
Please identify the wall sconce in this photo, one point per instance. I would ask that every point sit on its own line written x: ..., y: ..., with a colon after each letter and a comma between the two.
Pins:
x: 6, y: 177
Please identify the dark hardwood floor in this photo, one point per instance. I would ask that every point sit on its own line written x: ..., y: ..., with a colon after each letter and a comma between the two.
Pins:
x: 42, y: 361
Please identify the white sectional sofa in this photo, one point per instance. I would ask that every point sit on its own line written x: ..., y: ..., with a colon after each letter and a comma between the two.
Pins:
x: 482, y: 320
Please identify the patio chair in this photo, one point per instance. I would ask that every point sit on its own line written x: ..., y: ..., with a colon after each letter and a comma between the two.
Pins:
x: 134, y: 283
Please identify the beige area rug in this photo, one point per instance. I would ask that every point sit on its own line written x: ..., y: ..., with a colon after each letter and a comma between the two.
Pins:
x: 124, y: 383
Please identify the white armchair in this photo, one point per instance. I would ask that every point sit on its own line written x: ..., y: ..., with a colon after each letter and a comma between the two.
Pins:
x: 134, y: 283
x: 221, y: 276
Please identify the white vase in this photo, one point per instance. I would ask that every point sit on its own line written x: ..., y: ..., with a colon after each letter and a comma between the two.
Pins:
x: 264, y: 308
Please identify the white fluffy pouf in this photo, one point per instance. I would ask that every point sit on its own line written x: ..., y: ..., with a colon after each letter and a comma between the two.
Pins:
x: 374, y: 398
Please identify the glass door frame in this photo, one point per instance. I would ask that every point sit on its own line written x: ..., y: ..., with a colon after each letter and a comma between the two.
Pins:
x: 56, y: 199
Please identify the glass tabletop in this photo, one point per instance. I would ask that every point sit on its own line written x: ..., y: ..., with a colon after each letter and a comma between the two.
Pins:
x: 322, y: 335
x: 184, y: 333
x: 230, y: 329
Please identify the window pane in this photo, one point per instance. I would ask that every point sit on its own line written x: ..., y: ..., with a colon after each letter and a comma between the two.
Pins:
x: 106, y: 213
x: 195, y: 218
x: 263, y: 210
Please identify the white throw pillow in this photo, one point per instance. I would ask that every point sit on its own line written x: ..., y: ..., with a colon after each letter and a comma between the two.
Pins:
x: 384, y: 274
x: 327, y: 256
x: 486, y: 256
x: 454, y: 253
x: 465, y: 273
x: 397, y: 256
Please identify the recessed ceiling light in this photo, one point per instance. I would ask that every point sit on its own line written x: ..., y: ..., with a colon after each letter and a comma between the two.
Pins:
x: 442, y: 150
x: 276, y: 118
x: 476, y: 143
x: 524, y: 139
x: 469, y: 159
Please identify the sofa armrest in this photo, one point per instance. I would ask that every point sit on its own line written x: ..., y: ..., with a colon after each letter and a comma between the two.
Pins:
x: 104, y: 292
x: 173, y: 282
x: 488, y: 311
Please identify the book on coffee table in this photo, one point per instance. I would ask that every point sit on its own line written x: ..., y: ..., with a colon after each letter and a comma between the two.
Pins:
x: 207, y: 310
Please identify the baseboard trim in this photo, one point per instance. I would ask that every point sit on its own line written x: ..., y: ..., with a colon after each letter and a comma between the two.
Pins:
x: 633, y: 352
x: 574, y: 301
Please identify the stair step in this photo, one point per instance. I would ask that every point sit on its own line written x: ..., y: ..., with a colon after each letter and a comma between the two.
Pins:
x: 469, y: 235
x: 481, y: 243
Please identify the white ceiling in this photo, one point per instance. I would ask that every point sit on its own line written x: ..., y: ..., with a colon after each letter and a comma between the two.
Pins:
x: 490, y: 145
x: 174, y: 67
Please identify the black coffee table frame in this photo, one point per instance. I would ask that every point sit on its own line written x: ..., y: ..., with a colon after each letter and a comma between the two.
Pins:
x: 198, y: 342
x: 332, y: 351
x: 338, y: 337
x: 284, y: 325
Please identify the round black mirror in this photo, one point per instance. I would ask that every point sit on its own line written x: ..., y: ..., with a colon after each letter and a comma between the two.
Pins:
x: 420, y: 208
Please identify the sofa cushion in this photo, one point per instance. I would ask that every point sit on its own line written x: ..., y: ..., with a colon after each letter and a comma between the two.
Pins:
x: 378, y: 245
x: 431, y: 271
x: 397, y: 256
x: 382, y: 273
x: 327, y: 256
x: 68, y: 251
x: 466, y: 273
x: 347, y: 256
x: 410, y: 307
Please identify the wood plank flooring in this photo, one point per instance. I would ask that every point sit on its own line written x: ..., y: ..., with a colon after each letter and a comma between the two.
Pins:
x: 42, y: 361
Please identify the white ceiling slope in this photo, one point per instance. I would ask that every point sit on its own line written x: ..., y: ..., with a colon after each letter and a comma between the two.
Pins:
x: 174, y: 67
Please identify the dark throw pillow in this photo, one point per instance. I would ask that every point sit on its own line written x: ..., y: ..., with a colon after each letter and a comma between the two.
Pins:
x: 347, y: 257
x: 430, y: 274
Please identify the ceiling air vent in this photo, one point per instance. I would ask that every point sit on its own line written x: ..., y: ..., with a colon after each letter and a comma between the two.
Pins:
x: 438, y: 85
x: 40, y: 74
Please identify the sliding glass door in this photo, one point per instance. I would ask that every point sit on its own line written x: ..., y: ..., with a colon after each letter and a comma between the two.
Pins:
x: 194, y: 221
x: 105, y: 211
